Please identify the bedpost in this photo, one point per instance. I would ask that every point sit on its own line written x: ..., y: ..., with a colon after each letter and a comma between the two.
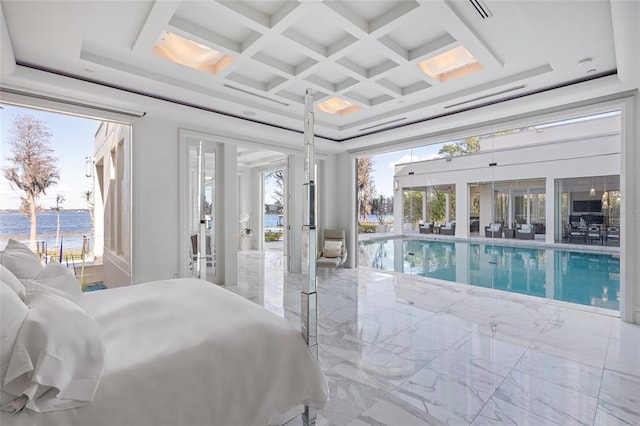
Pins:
x: 308, y: 309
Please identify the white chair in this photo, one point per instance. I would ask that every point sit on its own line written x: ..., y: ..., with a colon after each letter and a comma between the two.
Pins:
x: 333, y: 249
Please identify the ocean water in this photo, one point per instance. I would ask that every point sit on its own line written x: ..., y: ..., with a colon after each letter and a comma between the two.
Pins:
x: 73, y: 225
x: 71, y: 222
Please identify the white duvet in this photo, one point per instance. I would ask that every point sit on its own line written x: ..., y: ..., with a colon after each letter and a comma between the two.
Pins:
x: 186, y: 352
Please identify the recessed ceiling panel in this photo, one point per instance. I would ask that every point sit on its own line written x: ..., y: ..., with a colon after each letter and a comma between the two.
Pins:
x: 203, y: 16
x: 255, y: 77
x: 419, y: 29
x: 319, y: 35
x: 267, y: 7
x: 280, y: 56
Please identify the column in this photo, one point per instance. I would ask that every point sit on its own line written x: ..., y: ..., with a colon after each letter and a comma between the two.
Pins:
x: 549, y: 212
x: 424, y: 206
x: 447, y: 201
x: 227, y: 195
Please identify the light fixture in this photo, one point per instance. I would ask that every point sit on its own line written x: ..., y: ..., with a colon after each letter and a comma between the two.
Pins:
x: 88, y: 166
x: 592, y: 192
x: 338, y: 106
x: 452, y: 64
x: 191, y: 54
x: 396, y: 185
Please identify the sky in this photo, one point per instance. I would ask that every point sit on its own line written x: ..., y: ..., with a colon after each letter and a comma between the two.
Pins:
x: 72, y: 141
x: 383, y: 165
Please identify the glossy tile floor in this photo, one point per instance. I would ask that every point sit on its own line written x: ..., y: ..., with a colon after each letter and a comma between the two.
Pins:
x: 398, y: 350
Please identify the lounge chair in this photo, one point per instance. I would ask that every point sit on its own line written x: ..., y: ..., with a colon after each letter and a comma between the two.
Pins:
x: 579, y: 232
x: 613, y: 234
x: 594, y: 234
x: 334, y: 249
x: 526, y: 232
x: 493, y: 231
x: 449, y: 228
x: 426, y: 228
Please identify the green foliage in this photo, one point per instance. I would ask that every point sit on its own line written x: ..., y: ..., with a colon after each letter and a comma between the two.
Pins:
x: 439, y: 207
x: 270, y: 236
x: 412, y: 205
x: 466, y: 146
x: 366, y: 228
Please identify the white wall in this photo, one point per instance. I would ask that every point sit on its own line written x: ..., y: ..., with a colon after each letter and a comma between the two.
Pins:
x: 155, y: 199
x: 630, y: 213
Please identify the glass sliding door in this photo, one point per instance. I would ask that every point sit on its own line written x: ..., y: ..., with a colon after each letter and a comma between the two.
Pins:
x: 200, y: 206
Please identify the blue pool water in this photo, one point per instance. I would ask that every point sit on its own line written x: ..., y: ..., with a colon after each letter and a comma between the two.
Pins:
x: 586, y: 278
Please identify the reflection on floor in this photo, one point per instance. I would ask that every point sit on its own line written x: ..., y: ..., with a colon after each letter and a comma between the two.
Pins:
x: 400, y: 350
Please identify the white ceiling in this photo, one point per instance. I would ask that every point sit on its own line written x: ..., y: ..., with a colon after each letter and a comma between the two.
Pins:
x: 364, y: 51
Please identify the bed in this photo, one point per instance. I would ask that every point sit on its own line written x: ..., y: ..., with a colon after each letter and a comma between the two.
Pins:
x: 182, y: 352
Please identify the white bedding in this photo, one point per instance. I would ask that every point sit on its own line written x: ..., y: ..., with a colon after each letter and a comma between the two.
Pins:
x: 186, y: 352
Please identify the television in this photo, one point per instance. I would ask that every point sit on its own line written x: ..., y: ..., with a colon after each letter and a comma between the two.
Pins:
x: 587, y: 206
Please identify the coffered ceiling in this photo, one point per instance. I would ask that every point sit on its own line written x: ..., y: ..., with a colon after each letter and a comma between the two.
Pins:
x: 367, y: 53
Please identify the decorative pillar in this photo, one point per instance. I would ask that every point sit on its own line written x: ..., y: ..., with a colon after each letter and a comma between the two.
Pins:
x: 528, y: 206
x: 425, y: 194
x: 309, y: 313
x: 511, y: 207
x: 447, y: 202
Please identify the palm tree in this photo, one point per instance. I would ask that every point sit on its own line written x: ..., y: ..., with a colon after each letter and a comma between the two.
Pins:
x: 59, y: 201
x: 88, y: 198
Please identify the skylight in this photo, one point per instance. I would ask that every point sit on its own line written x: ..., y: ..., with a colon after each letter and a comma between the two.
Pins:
x: 452, y: 64
x: 191, y: 54
x: 338, y: 106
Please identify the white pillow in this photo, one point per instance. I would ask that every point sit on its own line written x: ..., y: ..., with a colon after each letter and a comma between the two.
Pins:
x: 12, y: 281
x: 13, y: 311
x: 58, y: 356
x: 61, y: 281
x: 332, y: 249
x: 20, y: 260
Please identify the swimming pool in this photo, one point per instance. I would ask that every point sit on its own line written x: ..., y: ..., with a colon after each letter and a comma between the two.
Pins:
x: 591, y: 279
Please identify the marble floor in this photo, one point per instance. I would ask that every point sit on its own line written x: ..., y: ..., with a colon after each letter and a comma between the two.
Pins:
x: 401, y: 350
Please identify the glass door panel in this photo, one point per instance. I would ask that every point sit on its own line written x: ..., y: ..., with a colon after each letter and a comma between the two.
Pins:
x: 201, y: 214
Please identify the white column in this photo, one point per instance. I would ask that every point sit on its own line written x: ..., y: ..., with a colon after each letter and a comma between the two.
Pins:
x: 227, y: 254
x: 463, y: 201
x: 424, y: 206
x: 528, y: 207
x: 398, y: 212
x: 550, y: 216
x: 447, y: 201
x: 511, y: 208
x: 630, y: 213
